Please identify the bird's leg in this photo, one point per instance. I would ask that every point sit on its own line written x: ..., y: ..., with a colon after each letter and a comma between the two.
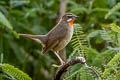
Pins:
x: 61, y: 61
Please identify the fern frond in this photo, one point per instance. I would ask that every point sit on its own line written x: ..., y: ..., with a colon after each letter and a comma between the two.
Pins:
x: 72, y: 75
x: 83, y: 74
x: 111, y: 77
x: 78, y: 41
x: 113, y: 11
x: 91, y: 54
x: 106, y: 56
x: 115, y: 27
x: 92, y: 35
x: 86, y: 74
x: 117, y: 74
x: 112, y: 65
x: 15, y: 72
x: 105, y: 36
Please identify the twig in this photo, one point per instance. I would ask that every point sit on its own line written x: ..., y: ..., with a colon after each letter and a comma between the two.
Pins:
x: 64, y: 67
x: 93, y: 70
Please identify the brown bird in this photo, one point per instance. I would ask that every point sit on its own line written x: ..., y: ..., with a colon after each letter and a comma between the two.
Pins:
x: 58, y: 37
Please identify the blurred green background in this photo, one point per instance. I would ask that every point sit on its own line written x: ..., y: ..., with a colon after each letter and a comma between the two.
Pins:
x: 39, y: 16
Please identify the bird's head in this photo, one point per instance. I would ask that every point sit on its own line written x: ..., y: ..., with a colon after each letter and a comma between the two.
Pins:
x: 69, y: 18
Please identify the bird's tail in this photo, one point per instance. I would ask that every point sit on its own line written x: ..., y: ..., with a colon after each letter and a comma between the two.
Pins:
x: 39, y: 38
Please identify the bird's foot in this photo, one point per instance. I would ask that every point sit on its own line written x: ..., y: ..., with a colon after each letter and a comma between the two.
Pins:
x: 62, y: 63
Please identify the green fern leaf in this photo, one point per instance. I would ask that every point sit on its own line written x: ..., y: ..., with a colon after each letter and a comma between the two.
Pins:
x: 78, y: 41
x: 15, y: 72
x: 115, y: 28
x: 113, y: 11
x: 5, y: 22
x: 112, y: 65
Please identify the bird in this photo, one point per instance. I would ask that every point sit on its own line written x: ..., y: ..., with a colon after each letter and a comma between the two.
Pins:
x: 58, y: 37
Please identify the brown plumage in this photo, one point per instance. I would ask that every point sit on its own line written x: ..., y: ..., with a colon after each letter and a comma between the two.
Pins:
x: 58, y: 37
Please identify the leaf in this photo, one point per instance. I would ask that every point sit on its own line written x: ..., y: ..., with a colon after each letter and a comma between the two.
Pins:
x: 114, y: 62
x: 106, y: 36
x: 56, y: 66
x: 115, y: 28
x: 111, y: 3
x: 91, y: 54
x: 93, y: 34
x: 113, y: 11
x: 4, y: 21
x: 103, y: 58
x: 15, y: 34
x: 78, y: 41
x: 14, y: 72
x: 16, y: 3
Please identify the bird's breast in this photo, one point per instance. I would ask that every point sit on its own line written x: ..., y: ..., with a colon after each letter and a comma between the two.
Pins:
x: 63, y: 42
x: 68, y: 36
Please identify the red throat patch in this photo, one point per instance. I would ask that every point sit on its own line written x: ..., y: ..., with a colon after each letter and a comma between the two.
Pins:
x: 71, y: 22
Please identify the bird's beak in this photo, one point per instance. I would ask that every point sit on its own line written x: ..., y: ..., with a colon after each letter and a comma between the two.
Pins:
x: 76, y: 17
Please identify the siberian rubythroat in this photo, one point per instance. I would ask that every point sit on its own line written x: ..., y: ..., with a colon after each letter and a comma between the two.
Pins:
x: 58, y: 37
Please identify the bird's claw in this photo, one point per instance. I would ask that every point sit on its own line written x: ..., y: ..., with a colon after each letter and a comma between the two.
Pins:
x: 62, y: 63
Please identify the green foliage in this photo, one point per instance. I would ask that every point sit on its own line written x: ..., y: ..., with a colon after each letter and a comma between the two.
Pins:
x: 78, y: 41
x: 112, y: 66
x: 82, y: 74
x: 5, y: 22
x: 115, y: 28
x: 96, y: 37
x: 114, y: 10
x: 106, y: 59
x: 13, y: 73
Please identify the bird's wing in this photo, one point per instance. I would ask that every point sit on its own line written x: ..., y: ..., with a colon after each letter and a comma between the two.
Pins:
x: 46, y: 49
x: 54, y: 38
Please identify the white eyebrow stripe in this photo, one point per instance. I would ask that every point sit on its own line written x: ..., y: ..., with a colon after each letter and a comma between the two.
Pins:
x: 69, y: 15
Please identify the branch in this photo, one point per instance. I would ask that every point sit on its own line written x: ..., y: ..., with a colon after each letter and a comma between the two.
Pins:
x: 62, y: 8
x: 68, y: 64
x: 72, y: 62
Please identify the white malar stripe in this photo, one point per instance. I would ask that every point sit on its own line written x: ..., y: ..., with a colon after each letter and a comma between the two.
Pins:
x: 69, y: 20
